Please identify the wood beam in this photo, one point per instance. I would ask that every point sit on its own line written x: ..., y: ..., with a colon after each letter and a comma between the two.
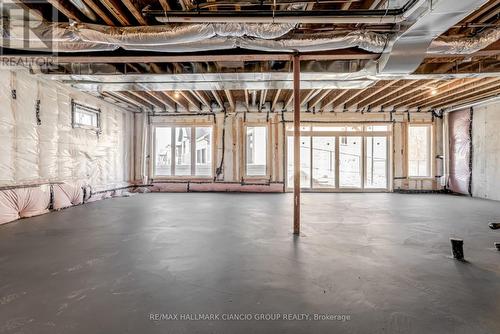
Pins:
x: 217, y: 97
x: 263, y: 96
x: 124, y: 99
x: 441, y: 91
x: 334, y: 99
x: 388, y: 100
x: 135, y: 12
x: 381, y: 88
x: 247, y: 100
x: 114, y: 8
x: 230, y: 99
x: 191, y: 101
x: 147, y: 97
x: 64, y: 8
x: 164, y: 4
x: 462, y: 92
x: 319, y: 98
x: 296, y: 145
x: 99, y: 12
x: 200, y: 96
x: 138, y: 100
x: 471, y: 97
x: 354, y: 95
x: 275, y: 100
x: 165, y: 100
x: 409, y: 93
x: 383, y: 96
x: 176, y: 97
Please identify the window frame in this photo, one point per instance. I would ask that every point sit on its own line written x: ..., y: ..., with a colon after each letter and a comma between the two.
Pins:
x: 430, y: 145
x: 173, y: 127
x: 267, y: 174
x: 88, y: 109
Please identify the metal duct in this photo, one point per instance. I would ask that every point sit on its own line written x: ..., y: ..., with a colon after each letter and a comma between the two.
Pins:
x: 381, y: 16
x: 409, y: 49
x: 82, y: 7
x: 214, y: 81
x: 191, y: 38
x: 465, y: 45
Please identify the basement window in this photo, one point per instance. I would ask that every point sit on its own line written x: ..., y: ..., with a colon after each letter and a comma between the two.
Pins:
x: 256, y: 151
x: 419, y: 150
x: 183, y: 151
x: 85, y: 117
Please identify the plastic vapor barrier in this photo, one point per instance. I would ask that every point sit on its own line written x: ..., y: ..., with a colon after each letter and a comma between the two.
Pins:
x: 460, y: 144
x: 43, y: 157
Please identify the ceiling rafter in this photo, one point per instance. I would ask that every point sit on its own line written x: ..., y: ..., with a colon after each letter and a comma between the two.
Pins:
x: 135, y: 12
x: 275, y: 100
x: 217, y: 97
x: 319, y: 98
x: 149, y: 98
x: 418, y: 86
x: 124, y: 99
x: 187, y: 95
x: 230, y: 99
x: 442, y: 90
x: 262, y: 101
x: 383, y: 96
x: 63, y: 7
x: 200, y: 96
x: 334, y: 99
x: 161, y: 97
x: 99, y: 12
x: 139, y: 100
x: 382, y: 87
x: 462, y: 92
x: 472, y: 97
x: 114, y: 8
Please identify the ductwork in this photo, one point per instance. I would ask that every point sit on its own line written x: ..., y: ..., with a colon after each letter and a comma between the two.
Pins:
x: 465, y: 45
x: 410, y: 48
x: 190, y: 38
x: 381, y: 16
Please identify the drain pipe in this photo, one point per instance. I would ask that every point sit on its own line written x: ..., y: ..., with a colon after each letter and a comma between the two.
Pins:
x: 378, y: 16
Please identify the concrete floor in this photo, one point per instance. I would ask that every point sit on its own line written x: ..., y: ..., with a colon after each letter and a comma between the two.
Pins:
x: 382, y: 259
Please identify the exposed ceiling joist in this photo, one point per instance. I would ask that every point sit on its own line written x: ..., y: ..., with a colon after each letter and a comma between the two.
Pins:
x: 146, y: 104
x: 230, y: 99
x: 217, y: 97
x: 65, y: 8
x: 186, y: 95
x: 97, y: 9
x: 384, y: 95
x: 334, y: 99
x: 135, y: 12
x: 114, y: 8
x: 275, y: 100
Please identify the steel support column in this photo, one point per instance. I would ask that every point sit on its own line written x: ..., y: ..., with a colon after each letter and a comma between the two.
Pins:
x: 296, y: 144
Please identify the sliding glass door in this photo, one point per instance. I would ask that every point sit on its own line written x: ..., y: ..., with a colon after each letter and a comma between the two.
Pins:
x: 341, y: 158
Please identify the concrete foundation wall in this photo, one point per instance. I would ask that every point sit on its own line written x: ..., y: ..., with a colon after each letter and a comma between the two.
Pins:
x: 486, y: 151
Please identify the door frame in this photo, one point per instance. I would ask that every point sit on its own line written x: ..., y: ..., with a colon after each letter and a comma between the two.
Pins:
x: 337, y: 134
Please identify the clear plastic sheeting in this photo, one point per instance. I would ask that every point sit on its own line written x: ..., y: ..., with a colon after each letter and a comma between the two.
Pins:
x: 465, y: 45
x: 460, y: 150
x: 40, y: 145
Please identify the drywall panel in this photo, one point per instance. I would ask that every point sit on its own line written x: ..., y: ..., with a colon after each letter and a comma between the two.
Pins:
x: 486, y: 151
